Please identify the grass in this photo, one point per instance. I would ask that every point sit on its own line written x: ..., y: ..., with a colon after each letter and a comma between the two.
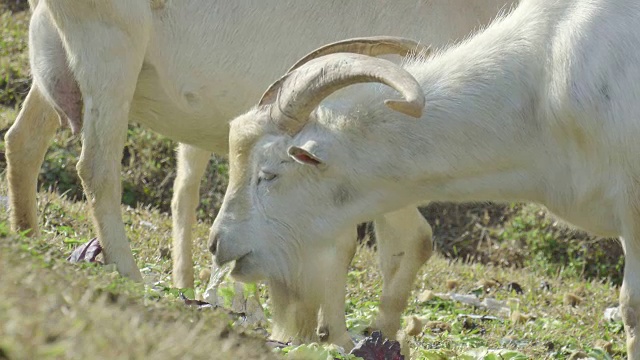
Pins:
x: 53, y: 309
x: 14, y: 82
x: 101, y: 314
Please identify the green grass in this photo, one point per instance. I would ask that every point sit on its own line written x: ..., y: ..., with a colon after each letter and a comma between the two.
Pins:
x: 53, y: 309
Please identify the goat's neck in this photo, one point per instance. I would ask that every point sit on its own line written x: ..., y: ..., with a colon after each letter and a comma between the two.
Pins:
x: 479, y: 138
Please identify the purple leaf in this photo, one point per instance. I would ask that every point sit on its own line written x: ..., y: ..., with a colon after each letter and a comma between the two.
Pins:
x: 375, y: 347
x: 86, y: 252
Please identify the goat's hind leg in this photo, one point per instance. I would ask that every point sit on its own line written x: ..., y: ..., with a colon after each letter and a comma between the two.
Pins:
x: 53, y: 92
x: 105, y: 42
x: 26, y: 144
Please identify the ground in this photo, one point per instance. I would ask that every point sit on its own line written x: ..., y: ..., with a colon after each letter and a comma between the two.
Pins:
x: 54, y: 309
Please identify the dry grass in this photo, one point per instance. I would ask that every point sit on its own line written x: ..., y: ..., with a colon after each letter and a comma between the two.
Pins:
x: 56, y: 309
x: 51, y: 309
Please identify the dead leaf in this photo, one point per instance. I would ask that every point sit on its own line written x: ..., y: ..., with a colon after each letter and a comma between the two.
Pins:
x: 604, y: 345
x: 438, y: 326
x: 277, y: 344
x: 88, y: 252
x: 452, y: 284
x: 571, y: 299
x: 197, y: 303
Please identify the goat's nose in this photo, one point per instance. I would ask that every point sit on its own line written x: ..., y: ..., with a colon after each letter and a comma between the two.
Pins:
x: 213, y: 242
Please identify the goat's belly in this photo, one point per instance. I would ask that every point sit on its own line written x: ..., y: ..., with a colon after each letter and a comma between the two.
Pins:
x: 593, y: 218
x: 204, y: 126
x: 586, y: 204
x: 207, y: 129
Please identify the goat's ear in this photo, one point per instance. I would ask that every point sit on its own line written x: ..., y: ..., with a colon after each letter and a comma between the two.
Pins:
x: 306, y: 154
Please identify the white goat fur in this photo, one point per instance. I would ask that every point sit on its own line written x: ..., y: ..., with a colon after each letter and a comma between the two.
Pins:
x: 184, y: 68
x: 541, y: 106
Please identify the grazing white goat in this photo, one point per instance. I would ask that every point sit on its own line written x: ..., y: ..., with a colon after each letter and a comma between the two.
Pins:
x: 541, y: 106
x: 184, y: 68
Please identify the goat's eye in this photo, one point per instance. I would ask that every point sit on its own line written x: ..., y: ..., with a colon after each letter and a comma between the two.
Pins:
x: 266, y: 176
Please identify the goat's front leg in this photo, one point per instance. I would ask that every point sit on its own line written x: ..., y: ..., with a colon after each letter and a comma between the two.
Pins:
x: 192, y: 163
x: 105, y: 42
x: 630, y: 293
x: 27, y: 141
x: 404, y: 241
x: 332, y: 326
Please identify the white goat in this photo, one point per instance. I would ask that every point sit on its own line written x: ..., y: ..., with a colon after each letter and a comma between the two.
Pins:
x: 184, y: 68
x: 541, y: 106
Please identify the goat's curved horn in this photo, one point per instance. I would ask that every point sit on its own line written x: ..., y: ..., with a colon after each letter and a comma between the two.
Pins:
x: 371, y: 45
x: 304, y: 89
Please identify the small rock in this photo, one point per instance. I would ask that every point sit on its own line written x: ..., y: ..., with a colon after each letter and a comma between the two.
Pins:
x: 414, y: 326
x: 466, y: 299
x: 604, y: 345
x: 426, y: 296
x: 438, y: 326
x: 612, y: 314
x: 571, y: 299
x: 204, y: 275
x: 494, y: 305
x: 452, y: 284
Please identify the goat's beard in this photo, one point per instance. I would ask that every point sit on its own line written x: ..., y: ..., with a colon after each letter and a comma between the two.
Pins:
x: 294, y: 313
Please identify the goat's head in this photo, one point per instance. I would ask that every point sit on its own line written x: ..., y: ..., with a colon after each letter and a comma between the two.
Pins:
x: 293, y: 186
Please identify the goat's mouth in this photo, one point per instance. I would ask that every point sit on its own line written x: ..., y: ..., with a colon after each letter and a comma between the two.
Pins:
x: 243, y: 267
